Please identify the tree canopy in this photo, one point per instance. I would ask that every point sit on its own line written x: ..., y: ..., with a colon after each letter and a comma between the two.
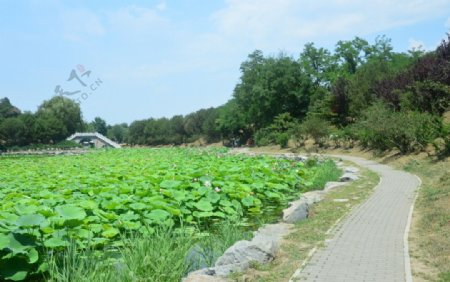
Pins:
x: 331, y: 88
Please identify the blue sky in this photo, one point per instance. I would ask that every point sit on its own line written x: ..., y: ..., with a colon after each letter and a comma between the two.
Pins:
x: 159, y: 58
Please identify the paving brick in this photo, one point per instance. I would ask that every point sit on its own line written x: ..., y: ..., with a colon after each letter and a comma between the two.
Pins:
x: 368, y: 245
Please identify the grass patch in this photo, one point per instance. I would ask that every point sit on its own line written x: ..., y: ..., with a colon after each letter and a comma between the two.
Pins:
x: 214, y: 243
x: 430, y: 233
x: 166, y: 255
x: 310, y: 233
x: 157, y: 257
x: 324, y: 172
x: 73, y: 264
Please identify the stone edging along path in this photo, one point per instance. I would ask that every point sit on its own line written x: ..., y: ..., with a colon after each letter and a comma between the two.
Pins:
x: 370, y: 244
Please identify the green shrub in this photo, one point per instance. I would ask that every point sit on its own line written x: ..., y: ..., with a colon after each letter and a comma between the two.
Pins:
x: 445, y: 151
x: 344, y: 137
x: 413, y: 131
x: 298, y: 135
x: 264, y: 137
x: 407, y: 131
x: 316, y: 128
x: 282, y: 139
x: 278, y: 132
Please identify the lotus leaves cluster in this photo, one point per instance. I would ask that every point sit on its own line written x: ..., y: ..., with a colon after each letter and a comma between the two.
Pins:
x: 91, y: 199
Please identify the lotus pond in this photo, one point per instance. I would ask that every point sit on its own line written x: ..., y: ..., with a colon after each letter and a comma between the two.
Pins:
x: 93, y: 199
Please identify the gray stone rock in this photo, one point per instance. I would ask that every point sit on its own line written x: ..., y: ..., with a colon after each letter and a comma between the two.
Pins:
x: 272, y: 231
x: 225, y: 270
x: 298, y: 210
x: 205, y: 271
x: 351, y: 169
x: 332, y: 185
x: 301, y: 158
x: 241, y: 252
x: 313, y: 197
x: 288, y: 155
x: 349, y: 177
x: 340, y: 200
x: 262, y: 249
x: 199, y: 277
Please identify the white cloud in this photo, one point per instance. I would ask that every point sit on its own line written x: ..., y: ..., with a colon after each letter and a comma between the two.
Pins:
x: 415, y: 44
x: 290, y: 23
x: 161, y: 6
x: 78, y: 25
x: 137, y: 19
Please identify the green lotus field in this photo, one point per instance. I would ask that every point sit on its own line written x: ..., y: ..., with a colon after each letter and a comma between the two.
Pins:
x: 96, y: 198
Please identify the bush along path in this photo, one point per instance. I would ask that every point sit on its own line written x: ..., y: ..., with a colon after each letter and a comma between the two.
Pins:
x: 371, y: 244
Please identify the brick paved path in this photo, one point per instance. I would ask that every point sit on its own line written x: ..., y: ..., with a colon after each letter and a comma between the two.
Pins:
x: 369, y: 244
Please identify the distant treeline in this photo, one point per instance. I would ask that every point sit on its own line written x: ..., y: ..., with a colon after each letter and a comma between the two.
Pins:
x: 359, y: 92
x: 52, y: 123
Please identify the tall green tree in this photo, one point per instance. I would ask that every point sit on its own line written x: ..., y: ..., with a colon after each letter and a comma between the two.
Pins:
x: 99, y: 125
x: 118, y: 132
x: 136, y: 132
x: 318, y: 64
x: 57, y: 118
x: 7, y: 110
x: 352, y: 54
x: 231, y: 121
x: 13, y: 131
x: 271, y: 86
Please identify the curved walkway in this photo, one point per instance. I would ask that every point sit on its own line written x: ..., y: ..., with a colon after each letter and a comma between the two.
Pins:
x: 371, y: 243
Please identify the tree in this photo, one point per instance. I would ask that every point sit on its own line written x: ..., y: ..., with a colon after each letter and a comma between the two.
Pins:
x: 7, y: 110
x: 209, y: 126
x: 29, y: 120
x: 118, y: 132
x: 136, y: 132
x: 423, y: 85
x: 99, y: 125
x: 269, y: 87
x: 57, y: 118
x: 381, y: 49
x: 352, y: 54
x: 316, y: 128
x: 230, y: 121
x: 13, y: 131
x: 318, y: 64
x: 340, y: 101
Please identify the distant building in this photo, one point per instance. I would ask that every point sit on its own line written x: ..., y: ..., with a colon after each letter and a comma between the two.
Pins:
x: 93, y: 139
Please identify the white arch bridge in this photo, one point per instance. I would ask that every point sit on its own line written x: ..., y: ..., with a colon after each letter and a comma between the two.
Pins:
x: 94, y: 139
